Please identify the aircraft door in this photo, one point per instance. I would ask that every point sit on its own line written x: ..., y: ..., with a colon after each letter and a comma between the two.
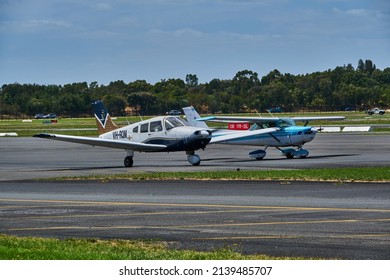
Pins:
x: 149, y: 132
x: 156, y: 129
x: 169, y: 131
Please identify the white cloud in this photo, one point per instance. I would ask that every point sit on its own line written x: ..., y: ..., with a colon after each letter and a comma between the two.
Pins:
x: 358, y: 12
x: 103, y: 6
x: 49, y: 23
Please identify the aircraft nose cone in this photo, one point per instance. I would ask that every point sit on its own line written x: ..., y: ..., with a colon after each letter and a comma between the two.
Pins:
x: 204, y: 133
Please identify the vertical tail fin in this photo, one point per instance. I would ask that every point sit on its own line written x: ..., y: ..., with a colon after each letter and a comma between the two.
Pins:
x: 192, y: 116
x: 103, y: 119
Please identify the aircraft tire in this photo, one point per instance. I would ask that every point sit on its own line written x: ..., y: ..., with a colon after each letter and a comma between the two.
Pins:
x: 194, y: 159
x: 290, y: 155
x: 128, y: 161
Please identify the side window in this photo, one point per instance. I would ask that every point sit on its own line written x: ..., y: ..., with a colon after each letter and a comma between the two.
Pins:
x: 144, y: 127
x: 135, y: 129
x: 155, y: 126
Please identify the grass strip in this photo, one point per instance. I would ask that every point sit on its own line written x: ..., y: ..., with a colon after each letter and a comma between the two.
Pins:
x: 33, y: 248
x: 361, y: 174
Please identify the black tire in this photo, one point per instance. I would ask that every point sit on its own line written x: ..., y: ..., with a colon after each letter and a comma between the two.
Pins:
x: 128, y: 161
x: 289, y: 155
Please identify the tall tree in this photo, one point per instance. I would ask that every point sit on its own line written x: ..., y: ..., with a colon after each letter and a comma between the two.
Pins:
x: 192, y: 80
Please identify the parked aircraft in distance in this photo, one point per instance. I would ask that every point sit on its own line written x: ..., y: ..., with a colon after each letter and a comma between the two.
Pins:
x: 158, y: 134
x: 285, y: 134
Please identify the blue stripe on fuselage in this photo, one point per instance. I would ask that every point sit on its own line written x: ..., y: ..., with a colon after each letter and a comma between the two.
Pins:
x: 174, y: 145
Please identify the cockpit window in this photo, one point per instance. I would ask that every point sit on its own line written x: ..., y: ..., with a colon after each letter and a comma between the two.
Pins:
x: 155, y: 126
x: 144, y: 127
x: 277, y: 123
x: 263, y: 125
x: 172, y: 122
x: 286, y: 122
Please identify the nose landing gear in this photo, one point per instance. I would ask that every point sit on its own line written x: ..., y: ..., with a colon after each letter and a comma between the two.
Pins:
x: 193, y: 158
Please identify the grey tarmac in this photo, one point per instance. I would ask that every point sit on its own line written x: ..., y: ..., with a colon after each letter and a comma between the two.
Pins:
x: 31, y: 158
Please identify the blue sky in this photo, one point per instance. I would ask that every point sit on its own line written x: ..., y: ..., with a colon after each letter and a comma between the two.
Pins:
x: 65, y: 41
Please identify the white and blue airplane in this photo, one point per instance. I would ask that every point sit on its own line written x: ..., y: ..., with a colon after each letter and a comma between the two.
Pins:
x: 158, y: 134
x: 281, y: 133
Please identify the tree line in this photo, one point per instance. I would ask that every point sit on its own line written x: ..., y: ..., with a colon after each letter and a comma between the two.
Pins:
x: 344, y: 87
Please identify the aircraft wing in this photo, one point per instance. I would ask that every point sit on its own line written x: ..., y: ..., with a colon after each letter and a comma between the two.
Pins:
x: 308, y: 119
x: 265, y: 119
x: 116, y: 144
x: 242, y: 135
x: 235, y: 119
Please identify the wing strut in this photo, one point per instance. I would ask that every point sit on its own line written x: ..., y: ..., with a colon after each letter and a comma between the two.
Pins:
x: 273, y: 136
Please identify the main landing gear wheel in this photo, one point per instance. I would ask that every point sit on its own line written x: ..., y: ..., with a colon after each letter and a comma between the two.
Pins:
x: 193, y: 159
x: 258, y: 154
x: 128, y: 161
x: 289, y: 155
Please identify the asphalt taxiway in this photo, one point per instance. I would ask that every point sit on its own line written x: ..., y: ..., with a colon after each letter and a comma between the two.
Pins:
x: 308, y: 219
x: 31, y: 158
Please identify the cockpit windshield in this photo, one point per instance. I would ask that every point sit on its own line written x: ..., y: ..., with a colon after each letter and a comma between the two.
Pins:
x: 171, y: 122
x: 274, y: 123
x: 286, y: 122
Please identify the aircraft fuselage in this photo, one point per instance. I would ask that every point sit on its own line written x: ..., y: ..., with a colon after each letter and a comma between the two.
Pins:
x: 287, y: 136
x: 168, y: 131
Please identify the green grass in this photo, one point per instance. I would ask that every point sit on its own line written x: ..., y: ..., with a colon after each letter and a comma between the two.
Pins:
x: 363, y: 174
x: 33, y: 248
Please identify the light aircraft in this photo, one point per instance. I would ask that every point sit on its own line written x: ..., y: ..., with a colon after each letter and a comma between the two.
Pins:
x: 278, y: 132
x: 158, y: 134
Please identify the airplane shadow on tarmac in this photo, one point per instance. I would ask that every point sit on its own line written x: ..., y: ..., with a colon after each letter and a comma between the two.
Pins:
x: 214, y: 161
x: 278, y: 159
